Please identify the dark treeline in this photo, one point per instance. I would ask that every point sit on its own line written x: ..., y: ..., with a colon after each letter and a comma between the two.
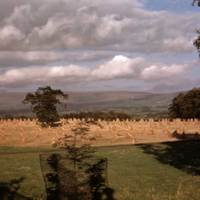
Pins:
x: 13, y: 117
x: 186, y: 105
x: 108, y: 116
x: 113, y: 115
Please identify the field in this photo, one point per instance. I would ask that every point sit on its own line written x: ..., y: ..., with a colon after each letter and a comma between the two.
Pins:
x: 140, y: 167
x: 101, y: 133
x: 168, y: 171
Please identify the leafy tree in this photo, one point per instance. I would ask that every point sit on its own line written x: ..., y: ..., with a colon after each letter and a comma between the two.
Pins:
x: 79, y: 153
x: 44, y: 104
x: 186, y: 105
x: 75, y: 146
x: 197, y: 40
x: 196, y: 2
x: 88, y: 180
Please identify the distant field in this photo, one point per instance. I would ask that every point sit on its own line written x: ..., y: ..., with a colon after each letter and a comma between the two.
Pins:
x: 167, y: 171
x: 138, y: 104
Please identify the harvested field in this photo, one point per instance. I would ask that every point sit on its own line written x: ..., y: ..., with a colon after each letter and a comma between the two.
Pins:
x: 28, y: 133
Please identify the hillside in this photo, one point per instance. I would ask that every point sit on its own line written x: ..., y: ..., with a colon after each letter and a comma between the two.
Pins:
x: 137, y: 103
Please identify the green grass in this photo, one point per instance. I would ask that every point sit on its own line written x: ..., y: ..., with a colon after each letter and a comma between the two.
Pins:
x: 26, y: 167
x: 134, y: 172
x: 16, y: 150
x: 135, y: 175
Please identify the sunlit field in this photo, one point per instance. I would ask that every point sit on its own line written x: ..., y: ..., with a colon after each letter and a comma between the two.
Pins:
x: 101, y: 133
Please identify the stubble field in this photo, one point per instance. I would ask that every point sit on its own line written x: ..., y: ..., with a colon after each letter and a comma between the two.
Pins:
x: 101, y: 133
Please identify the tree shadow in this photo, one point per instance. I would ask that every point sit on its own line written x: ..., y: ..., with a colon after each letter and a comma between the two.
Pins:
x: 9, y: 191
x: 99, y: 188
x: 88, y: 183
x: 183, y: 155
x: 184, y: 136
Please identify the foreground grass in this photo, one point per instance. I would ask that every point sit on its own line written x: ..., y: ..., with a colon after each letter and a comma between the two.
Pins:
x: 133, y: 173
x: 24, y: 169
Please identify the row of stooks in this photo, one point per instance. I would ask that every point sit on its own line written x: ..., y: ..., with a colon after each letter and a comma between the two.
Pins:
x: 101, y: 120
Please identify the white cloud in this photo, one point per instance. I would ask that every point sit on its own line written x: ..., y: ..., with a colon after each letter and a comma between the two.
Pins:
x: 119, y: 67
x: 42, y: 74
x: 159, y: 72
x: 70, y: 72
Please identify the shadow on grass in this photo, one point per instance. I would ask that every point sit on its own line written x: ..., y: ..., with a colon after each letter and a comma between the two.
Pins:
x: 99, y: 188
x: 88, y: 182
x: 183, y: 155
x: 184, y: 136
x: 9, y: 191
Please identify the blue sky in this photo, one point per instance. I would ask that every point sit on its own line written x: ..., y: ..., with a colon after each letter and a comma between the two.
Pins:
x: 171, y: 5
x: 93, y: 45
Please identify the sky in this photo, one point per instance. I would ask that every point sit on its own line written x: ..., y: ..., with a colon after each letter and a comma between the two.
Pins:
x: 95, y: 45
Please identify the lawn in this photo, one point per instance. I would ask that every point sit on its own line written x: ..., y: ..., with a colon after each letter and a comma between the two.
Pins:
x: 136, y: 174
x: 169, y: 171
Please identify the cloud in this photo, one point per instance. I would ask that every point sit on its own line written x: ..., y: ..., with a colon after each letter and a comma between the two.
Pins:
x: 89, y: 41
x: 119, y: 67
x: 32, y: 58
x: 160, y: 72
x: 10, y: 36
x: 115, y: 25
x: 9, y: 59
x: 37, y: 75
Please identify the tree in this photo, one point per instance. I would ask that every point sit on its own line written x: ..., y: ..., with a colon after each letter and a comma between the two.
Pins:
x: 44, y: 104
x: 197, y: 40
x: 196, y: 2
x: 88, y: 180
x: 186, y: 105
x: 72, y: 143
x: 79, y: 154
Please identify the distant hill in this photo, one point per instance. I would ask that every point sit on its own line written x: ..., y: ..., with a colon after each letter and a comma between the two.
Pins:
x: 134, y: 103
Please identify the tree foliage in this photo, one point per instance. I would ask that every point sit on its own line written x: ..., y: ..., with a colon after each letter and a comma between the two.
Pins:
x: 108, y: 116
x: 44, y: 104
x: 186, y: 105
x: 196, y: 2
x: 88, y: 179
x: 75, y: 145
x: 197, y: 40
